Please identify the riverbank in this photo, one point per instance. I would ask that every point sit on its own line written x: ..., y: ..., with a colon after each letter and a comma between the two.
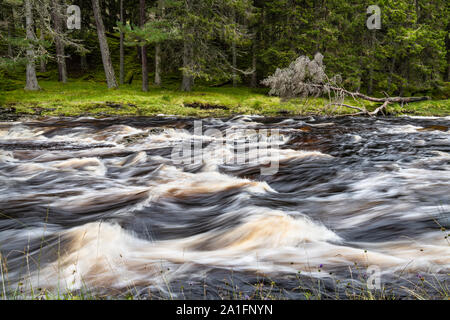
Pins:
x: 94, y: 99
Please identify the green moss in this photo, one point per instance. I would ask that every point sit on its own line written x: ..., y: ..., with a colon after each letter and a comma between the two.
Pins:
x: 9, y: 82
x: 424, y: 108
x: 93, y: 98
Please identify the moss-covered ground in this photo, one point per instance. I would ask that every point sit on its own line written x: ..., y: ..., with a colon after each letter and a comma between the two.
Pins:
x: 92, y: 98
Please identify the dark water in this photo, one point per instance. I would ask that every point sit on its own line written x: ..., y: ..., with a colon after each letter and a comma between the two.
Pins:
x: 101, y: 204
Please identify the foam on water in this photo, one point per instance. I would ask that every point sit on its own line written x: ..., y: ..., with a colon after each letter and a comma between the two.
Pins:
x: 108, y: 207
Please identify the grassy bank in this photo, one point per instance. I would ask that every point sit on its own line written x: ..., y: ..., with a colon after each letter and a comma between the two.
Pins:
x: 94, y: 99
x: 303, y: 287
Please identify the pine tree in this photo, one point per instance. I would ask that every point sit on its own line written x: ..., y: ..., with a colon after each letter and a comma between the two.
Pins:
x: 104, y: 48
x: 60, y: 52
x: 31, y: 79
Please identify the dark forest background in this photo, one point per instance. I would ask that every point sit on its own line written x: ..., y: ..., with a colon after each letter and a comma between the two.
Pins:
x: 237, y: 42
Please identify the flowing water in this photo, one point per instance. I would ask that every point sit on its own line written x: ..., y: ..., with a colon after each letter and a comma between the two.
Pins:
x: 102, y: 205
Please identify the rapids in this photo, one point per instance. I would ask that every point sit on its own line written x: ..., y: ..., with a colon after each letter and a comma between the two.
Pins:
x: 101, y: 204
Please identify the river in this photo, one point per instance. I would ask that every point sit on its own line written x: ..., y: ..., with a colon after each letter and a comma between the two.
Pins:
x: 100, y: 204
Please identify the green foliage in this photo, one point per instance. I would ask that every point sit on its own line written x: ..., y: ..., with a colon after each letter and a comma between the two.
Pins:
x: 442, y: 91
x: 409, y: 54
x: 154, y: 31
x: 8, y: 80
x: 409, y: 50
x: 210, y: 28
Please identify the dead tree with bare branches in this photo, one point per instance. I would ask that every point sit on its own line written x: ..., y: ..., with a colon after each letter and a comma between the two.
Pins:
x: 307, y: 78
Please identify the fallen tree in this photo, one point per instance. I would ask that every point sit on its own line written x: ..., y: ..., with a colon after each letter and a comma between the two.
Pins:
x: 307, y: 78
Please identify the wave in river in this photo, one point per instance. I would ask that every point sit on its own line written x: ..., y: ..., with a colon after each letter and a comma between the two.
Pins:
x: 102, y: 204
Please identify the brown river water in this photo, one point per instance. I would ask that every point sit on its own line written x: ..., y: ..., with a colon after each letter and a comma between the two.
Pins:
x: 101, y: 205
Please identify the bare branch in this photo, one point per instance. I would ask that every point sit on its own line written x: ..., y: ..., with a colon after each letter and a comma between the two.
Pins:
x: 307, y: 78
x: 348, y: 106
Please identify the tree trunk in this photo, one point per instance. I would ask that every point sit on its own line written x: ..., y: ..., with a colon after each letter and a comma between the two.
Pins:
x: 371, y: 67
x: 448, y: 53
x: 11, y: 32
x: 448, y: 66
x: 345, y: 92
x: 144, y: 69
x: 143, y: 49
x: 122, y: 71
x: 32, y: 83
x: 254, y: 81
x: 391, y: 74
x: 104, y: 48
x: 10, y: 51
x: 416, y: 5
x: 234, y: 64
x: 363, y: 111
x: 404, y: 74
x: 60, y: 54
x: 158, y: 65
x: 138, y: 53
x: 188, y: 80
x: 83, y: 62
x: 258, y: 39
x: 43, y: 67
x: 158, y: 49
x: 43, y: 63
x: 233, y: 51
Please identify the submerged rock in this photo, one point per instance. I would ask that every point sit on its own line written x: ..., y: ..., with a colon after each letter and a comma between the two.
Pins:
x: 434, y: 128
x: 9, y: 114
x: 205, y: 106
x: 127, y: 140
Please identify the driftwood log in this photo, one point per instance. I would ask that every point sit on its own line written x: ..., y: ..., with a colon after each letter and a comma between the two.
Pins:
x: 385, y: 101
x: 307, y: 78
